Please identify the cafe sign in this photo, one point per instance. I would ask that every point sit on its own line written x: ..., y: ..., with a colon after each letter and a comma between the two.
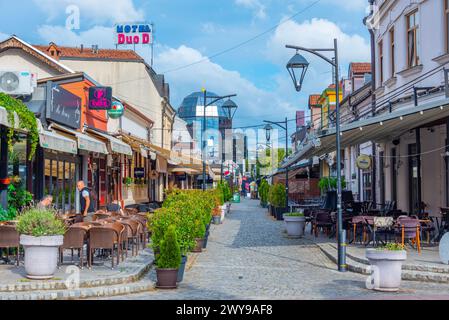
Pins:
x: 116, y: 110
x: 363, y: 162
x: 100, y: 98
x: 133, y: 33
x: 63, y: 107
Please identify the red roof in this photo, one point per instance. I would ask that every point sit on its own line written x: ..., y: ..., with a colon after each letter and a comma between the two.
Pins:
x: 360, y: 67
x: 86, y: 52
x: 313, y: 99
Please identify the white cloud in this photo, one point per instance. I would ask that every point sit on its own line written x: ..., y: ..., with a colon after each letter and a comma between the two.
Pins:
x: 254, y: 103
x: 316, y: 33
x: 60, y: 35
x: 256, y: 5
x: 97, y: 11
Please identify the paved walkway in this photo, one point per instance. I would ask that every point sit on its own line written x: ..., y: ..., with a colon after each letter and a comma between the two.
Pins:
x: 250, y: 257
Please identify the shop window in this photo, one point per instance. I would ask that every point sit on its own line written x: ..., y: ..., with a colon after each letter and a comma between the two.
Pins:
x: 392, y: 52
x: 17, y: 159
x: 412, y: 39
x: 367, y: 186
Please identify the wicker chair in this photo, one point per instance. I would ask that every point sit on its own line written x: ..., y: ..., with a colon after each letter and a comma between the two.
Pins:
x: 105, y: 238
x: 10, y: 238
x: 73, y: 239
x: 144, y: 234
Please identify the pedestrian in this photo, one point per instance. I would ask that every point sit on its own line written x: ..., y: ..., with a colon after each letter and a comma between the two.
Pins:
x: 86, y: 204
x: 45, y: 203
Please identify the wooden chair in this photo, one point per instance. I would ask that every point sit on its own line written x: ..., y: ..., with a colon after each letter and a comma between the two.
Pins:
x: 10, y: 238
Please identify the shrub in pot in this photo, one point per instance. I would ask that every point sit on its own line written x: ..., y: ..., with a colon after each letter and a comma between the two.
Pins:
x: 216, y: 215
x: 295, y: 223
x: 168, y: 260
x: 386, y: 263
x: 278, y: 200
x: 263, y: 193
x: 41, y: 235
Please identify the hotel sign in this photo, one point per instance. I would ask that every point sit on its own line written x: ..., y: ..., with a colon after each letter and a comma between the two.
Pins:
x: 133, y: 33
x: 100, y: 98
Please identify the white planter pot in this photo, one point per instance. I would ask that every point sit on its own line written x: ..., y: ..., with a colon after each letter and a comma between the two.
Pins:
x: 387, y: 268
x: 41, y: 255
x: 295, y: 226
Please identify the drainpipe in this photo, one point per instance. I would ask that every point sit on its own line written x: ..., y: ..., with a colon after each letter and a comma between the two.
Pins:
x: 373, y: 89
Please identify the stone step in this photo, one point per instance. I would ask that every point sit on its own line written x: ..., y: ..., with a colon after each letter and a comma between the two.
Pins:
x: 134, y: 270
x: 355, y: 265
x: 82, y: 293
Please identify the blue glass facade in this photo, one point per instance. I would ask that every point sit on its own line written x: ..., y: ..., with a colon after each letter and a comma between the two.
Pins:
x: 217, y: 120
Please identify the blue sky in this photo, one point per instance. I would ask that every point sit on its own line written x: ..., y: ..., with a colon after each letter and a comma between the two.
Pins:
x: 190, y: 30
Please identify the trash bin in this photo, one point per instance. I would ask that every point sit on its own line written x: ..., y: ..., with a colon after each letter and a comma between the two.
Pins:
x: 236, y: 198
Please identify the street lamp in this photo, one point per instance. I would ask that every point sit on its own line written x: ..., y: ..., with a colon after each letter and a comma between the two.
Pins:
x: 231, y: 107
x: 297, y: 67
x: 215, y: 99
x: 282, y: 125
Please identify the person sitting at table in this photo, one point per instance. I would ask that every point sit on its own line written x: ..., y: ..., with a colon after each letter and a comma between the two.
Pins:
x: 45, y: 203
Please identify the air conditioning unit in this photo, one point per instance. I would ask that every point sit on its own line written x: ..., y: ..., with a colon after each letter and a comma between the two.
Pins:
x: 16, y: 82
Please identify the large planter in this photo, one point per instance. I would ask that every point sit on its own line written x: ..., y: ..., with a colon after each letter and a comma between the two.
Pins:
x: 216, y: 219
x: 181, y: 269
x: 199, y: 245
x: 41, y: 255
x: 295, y: 225
x: 166, y: 278
x: 279, y: 213
x: 388, y: 268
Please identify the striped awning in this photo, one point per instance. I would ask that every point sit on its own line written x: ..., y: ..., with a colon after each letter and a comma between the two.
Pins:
x: 117, y: 145
x: 85, y: 142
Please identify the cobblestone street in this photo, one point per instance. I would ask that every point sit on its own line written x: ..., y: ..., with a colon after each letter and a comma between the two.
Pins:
x: 250, y: 257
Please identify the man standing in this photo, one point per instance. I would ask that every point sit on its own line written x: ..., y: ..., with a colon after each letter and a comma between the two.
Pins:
x: 86, y: 205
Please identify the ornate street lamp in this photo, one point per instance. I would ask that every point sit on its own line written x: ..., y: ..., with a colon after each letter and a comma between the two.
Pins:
x: 297, y: 68
x: 268, y: 129
x: 231, y: 107
x: 300, y: 64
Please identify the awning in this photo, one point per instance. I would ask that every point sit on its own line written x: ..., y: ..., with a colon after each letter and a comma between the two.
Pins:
x: 117, y: 145
x: 85, y: 142
x: 161, y: 164
x: 386, y: 126
x: 185, y: 170
x: 54, y: 141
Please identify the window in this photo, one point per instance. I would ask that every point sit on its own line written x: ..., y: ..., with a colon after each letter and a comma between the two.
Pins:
x: 367, y: 186
x: 446, y: 14
x: 381, y: 62
x: 412, y: 39
x: 392, y: 53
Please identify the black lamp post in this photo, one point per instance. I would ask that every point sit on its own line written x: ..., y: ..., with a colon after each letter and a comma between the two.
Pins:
x: 231, y: 107
x: 215, y: 99
x: 282, y: 125
x: 297, y: 67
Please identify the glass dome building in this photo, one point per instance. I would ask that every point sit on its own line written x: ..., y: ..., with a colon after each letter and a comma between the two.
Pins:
x: 217, y: 120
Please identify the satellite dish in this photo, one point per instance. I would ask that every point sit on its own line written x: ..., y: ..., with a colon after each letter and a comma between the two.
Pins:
x: 9, y: 81
x: 444, y: 248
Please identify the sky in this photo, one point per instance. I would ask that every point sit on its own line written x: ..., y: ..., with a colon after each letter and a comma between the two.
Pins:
x: 188, y: 31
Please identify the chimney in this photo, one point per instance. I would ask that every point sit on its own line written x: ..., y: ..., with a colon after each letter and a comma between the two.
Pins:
x: 82, y: 48
x: 95, y: 48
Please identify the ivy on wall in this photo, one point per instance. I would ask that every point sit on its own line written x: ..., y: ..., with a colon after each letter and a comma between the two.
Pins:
x: 27, y: 121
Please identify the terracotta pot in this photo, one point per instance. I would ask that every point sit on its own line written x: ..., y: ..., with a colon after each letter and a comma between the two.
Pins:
x: 199, y: 245
x: 166, y: 278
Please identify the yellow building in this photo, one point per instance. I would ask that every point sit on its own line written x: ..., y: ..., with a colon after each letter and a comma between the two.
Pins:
x: 327, y: 101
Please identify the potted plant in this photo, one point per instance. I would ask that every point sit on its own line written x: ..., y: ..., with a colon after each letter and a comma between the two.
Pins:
x: 200, y: 232
x: 387, y: 266
x: 216, y: 215
x: 278, y: 200
x: 295, y: 223
x: 168, y: 260
x: 263, y: 193
x: 41, y: 235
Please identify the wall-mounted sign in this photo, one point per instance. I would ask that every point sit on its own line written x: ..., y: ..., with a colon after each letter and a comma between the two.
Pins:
x: 116, y: 111
x: 100, y: 98
x: 139, y: 173
x: 363, y: 162
x: 133, y: 33
x: 63, y: 107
